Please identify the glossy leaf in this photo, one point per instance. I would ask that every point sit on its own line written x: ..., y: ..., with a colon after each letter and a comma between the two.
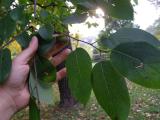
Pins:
x: 110, y: 90
x: 23, y: 39
x: 76, y: 18
x: 24, y: 20
x: 8, y: 26
x: 5, y: 64
x: 129, y: 35
x: 46, y: 32
x: 34, y: 111
x: 139, y: 62
x: 39, y: 90
x: 120, y: 9
x: 79, y: 67
x: 17, y: 13
x: 46, y: 72
x: 45, y: 46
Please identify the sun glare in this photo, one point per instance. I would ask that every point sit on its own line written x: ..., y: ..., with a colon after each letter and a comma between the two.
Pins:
x: 83, y: 30
x: 99, y: 12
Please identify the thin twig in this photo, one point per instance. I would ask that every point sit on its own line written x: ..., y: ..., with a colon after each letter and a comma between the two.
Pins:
x: 94, y: 42
x: 100, y: 50
x: 36, y: 80
x: 52, y: 4
x: 35, y: 5
x: 7, y: 43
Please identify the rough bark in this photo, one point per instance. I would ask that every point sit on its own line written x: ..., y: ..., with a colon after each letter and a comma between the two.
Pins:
x: 66, y: 99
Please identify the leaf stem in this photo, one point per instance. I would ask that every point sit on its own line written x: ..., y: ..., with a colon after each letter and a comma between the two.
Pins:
x: 35, y: 5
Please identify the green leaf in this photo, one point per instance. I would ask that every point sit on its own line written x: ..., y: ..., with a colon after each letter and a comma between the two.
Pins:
x: 6, y: 3
x: 17, y: 13
x: 44, y: 46
x: 139, y: 62
x: 110, y: 90
x: 40, y: 91
x: 8, y: 26
x: 120, y: 9
x: 129, y: 35
x: 46, y: 72
x: 23, y: 1
x: 46, y: 32
x: 24, y: 20
x: 23, y: 39
x: 79, y: 67
x: 34, y: 111
x: 76, y: 18
x: 44, y: 14
x: 5, y: 64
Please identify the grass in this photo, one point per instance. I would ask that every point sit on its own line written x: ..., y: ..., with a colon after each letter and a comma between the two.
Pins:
x: 145, y: 105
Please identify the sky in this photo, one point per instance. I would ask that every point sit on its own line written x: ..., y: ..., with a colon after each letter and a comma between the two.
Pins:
x: 145, y: 15
x: 83, y: 30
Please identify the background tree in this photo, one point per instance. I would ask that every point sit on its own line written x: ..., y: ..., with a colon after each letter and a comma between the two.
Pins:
x: 112, y: 25
x: 155, y: 2
x: 155, y: 28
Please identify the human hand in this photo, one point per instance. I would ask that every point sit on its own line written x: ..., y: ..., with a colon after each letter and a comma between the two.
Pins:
x: 14, y: 94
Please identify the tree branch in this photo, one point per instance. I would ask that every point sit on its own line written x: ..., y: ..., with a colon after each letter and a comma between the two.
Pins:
x: 52, y: 4
x: 100, y: 50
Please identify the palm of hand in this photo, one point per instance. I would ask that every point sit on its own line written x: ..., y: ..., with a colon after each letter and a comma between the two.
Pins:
x: 16, y: 88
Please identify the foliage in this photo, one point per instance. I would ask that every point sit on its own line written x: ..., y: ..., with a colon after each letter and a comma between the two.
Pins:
x: 34, y: 111
x: 155, y: 28
x: 134, y: 53
x: 79, y: 67
x: 129, y: 59
x: 106, y: 89
x: 15, y: 49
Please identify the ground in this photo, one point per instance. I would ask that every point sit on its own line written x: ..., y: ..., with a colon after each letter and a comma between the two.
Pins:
x: 145, y: 105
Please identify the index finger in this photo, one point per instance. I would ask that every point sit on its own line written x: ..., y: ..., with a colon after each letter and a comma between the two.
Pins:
x: 56, y: 60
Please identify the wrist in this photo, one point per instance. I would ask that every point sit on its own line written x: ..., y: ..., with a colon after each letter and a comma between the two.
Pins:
x: 7, y: 105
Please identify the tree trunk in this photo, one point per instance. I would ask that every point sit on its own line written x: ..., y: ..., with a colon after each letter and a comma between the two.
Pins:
x: 66, y: 99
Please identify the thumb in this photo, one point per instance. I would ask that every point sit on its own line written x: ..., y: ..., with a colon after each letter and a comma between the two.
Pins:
x: 28, y: 53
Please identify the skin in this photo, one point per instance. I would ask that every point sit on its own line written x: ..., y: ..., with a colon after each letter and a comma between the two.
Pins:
x: 14, y: 94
